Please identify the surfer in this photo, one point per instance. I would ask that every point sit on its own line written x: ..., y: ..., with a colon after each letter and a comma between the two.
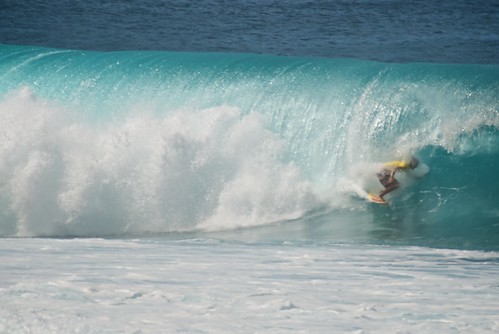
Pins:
x: 387, y: 175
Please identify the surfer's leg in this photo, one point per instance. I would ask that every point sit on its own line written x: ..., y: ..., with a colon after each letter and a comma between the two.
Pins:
x: 389, y: 188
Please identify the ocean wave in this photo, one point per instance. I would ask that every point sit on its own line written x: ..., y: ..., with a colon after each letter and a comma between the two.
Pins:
x: 121, y: 143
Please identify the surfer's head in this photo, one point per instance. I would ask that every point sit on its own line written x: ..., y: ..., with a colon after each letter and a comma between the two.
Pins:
x: 413, y: 163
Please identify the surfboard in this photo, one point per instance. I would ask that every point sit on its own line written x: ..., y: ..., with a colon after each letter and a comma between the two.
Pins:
x: 375, y: 199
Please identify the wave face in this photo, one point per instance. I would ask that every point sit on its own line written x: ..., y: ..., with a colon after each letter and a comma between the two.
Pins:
x: 126, y: 143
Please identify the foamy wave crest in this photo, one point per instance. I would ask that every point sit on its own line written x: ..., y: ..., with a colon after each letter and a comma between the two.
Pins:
x: 208, y: 169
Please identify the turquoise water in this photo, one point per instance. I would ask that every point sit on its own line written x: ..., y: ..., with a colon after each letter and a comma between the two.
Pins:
x: 140, y: 142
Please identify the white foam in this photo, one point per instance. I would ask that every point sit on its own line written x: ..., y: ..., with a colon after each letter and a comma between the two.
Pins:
x: 196, y: 286
x: 210, y: 169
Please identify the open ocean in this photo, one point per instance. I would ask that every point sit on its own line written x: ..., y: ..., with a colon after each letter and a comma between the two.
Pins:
x: 203, y: 166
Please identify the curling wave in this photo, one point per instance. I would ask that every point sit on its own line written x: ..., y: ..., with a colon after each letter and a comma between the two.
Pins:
x: 120, y: 143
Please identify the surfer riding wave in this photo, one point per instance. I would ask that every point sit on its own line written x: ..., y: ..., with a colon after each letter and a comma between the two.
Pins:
x: 387, y: 175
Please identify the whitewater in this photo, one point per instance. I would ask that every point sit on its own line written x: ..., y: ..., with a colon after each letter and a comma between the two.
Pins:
x: 212, y: 286
x: 161, y: 192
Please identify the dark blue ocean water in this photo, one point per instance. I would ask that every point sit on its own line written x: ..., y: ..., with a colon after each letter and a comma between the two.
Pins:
x: 446, y: 31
